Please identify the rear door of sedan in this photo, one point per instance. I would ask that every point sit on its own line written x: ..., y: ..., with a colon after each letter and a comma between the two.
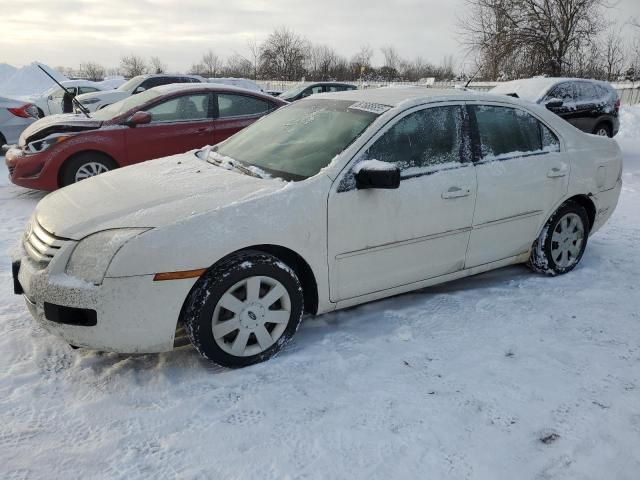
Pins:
x: 178, y: 124
x: 235, y: 111
x: 381, y: 239
x: 522, y: 174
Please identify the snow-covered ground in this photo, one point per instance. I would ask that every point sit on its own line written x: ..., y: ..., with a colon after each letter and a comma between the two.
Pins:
x: 458, y: 381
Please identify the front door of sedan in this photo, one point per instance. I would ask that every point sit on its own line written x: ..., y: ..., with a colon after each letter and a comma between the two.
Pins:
x: 177, y: 125
x: 522, y: 175
x: 235, y: 112
x: 380, y: 239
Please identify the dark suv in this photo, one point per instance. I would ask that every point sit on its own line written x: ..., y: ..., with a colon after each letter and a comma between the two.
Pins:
x: 302, y: 91
x: 590, y: 105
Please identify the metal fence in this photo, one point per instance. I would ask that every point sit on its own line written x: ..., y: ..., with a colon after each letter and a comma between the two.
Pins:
x: 629, y: 92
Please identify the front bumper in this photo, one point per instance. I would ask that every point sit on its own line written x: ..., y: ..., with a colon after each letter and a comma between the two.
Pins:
x: 132, y: 314
x: 30, y: 171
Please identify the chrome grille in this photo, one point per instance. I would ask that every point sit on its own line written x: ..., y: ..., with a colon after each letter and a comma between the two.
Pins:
x: 41, y: 246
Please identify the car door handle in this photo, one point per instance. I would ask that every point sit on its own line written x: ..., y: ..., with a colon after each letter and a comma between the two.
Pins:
x: 456, y: 192
x: 556, y: 172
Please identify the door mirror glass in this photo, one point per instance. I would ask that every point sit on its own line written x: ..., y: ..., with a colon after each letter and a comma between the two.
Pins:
x: 139, y: 90
x: 553, y: 103
x: 376, y: 174
x: 139, y: 118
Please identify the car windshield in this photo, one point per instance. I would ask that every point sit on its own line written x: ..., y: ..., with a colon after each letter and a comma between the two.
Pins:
x: 130, y: 85
x: 297, y: 141
x: 293, y: 91
x: 118, y: 108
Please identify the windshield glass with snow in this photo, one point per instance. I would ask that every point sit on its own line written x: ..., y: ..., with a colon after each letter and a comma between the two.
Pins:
x: 130, y: 85
x: 292, y: 92
x: 118, y: 108
x: 297, y: 141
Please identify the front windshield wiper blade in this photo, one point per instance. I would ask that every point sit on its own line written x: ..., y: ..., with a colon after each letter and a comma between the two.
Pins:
x: 230, y: 161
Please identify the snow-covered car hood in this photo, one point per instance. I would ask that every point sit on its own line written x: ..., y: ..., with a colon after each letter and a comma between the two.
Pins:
x: 64, y: 123
x: 111, y: 96
x: 150, y: 194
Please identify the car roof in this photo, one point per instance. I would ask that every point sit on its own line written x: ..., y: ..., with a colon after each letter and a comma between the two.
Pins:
x: 218, y: 87
x: 535, y: 88
x: 395, y: 96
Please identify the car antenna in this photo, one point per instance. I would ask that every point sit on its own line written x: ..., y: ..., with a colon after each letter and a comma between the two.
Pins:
x: 82, y: 108
x: 473, y: 76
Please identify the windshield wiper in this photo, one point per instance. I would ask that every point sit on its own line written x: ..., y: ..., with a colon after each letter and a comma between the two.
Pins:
x: 82, y: 108
x: 230, y: 161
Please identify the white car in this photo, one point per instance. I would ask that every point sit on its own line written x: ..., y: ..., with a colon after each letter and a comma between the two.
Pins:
x: 15, y: 117
x: 327, y: 203
x: 97, y: 101
x: 50, y: 101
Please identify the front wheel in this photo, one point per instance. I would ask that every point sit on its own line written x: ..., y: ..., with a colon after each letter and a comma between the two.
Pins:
x: 244, y: 310
x: 85, y: 165
x: 562, y: 241
x: 603, y: 130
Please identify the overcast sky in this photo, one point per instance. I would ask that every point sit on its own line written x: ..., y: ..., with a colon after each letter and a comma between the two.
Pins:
x: 67, y: 32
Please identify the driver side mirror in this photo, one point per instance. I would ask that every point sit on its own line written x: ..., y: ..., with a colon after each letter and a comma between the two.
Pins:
x: 376, y: 174
x: 139, y: 118
x: 139, y: 90
x: 553, y: 103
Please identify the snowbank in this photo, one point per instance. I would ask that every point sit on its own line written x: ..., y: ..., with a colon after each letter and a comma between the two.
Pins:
x: 629, y: 122
x: 27, y: 80
x: 6, y: 71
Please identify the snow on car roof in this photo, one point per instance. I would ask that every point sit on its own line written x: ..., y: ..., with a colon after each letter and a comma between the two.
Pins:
x: 534, y: 89
x: 394, y: 96
x: 172, y: 87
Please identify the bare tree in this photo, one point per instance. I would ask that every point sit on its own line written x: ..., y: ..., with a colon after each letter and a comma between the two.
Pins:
x: 157, y: 65
x: 391, y: 57
x: 321, y: 62
x: 132, y: 65
x: 361, y: 61
x: 92, y: 71
x: 613, y: 54
x: 212, y: 64
x: 238, y: 66
x: 530, y: 36
x: 254, y: 56
x: 283, y: 55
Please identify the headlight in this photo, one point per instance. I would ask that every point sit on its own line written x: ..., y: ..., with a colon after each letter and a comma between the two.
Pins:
x: 89, y: 101
x: 46, y: 143
x: 92, y: 256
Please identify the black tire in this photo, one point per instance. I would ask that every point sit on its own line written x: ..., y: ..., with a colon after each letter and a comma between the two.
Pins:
x: 40, y: 113
x: 199, y: 309
x: 75, y: 163
x: 603, y: 128
x: 3, y: 141
x: 542, y: 258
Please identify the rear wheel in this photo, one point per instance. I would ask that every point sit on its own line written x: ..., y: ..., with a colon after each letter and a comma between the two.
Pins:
x: 244, y: 310
x: 562, y: 242
x: 85, y: 165
x: 602, y: 130
x: 3, y: 141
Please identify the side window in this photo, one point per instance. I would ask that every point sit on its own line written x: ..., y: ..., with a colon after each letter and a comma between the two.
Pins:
x: 510, y: 132
x: 312, y: 90
x: 87, y: 90
x: 585, y: 92
x: 181, y: 109
x: 564, y: 92
x: 230, y: 105
x: 335, y: 88
x: 145, y: 85
x: 427, y: 138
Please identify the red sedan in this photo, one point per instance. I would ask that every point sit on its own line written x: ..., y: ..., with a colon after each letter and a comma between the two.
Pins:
x: 63, y: 149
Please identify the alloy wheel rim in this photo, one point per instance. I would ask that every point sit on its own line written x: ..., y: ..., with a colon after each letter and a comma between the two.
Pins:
x: 602, y: 133
x: 90, y: 169
x: 251, y: 316
x: 567, y: 240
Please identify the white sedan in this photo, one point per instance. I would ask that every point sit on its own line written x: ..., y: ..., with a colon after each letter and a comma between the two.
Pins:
x: 327, y: 203
x: 50, y: 102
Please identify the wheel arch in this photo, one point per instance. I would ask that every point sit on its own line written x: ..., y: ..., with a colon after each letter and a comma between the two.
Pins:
x: 82, y: 152
x: 587, y: 203
x: 300, y: 267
